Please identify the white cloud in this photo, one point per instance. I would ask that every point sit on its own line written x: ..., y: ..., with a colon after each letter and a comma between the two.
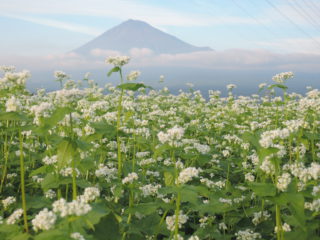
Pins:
x: 301, y: 45
x: 233, y: 59
x: 140, y: 52
x: 57, y: 24
x: 158, y: 16
x: 97, y: 52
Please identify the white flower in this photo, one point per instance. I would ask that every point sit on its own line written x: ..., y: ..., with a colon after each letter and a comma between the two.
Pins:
x: 222, y: 226
x: 260, y: 216
x: 285, y: 227
x: 8, y: 201
x: 150, y: 189
x: 314, y: 206
x: 247, y: 235
x: 90, y: 194
x: 68, y: 172
x: 130, y: 178
x: 202, y: 148
x: 170, y: 220
x: 7, y: 68
x: 50, y: 194
x: 283, y: 181
x: 262, y: 85
x: 231, y: 86
x: 249, y: 177
x: 133, y: 75
x: 187, y: 174
x: 76, y: 207
x: 173, y: 134
x: 105, y: 171
x: 118, y: 61
x: 13, y: 104
x: 60, y: 75
x: 44, y: 220
x: 77, y: 236
x: 195, y: 237
x: 15, y: 216
x: 267, y: 166
x: 282, y: 77
x: 50, y: 160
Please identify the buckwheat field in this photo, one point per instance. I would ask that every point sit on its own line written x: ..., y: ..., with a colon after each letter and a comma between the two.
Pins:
x: 131, y: 162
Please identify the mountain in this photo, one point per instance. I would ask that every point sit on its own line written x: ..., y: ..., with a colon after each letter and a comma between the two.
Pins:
x: 138, y: 34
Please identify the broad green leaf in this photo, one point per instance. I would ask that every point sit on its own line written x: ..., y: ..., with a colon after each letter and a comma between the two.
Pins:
x: 13, y: 116
x: 50, y: 181
x: 189, y: 195
x: 115, y: 69
x: 56, y: 116
x: 55, y: 234
x: 107, y: 229
x: 251, y: 138
x: 132, y: 86
x: 263, y: 189
x: 168, y: 178
x: 22, y: 236
x: 278, y: 86
x: 66, y: 151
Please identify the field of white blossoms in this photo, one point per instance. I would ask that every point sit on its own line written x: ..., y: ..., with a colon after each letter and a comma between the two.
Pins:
x: 131, y: 162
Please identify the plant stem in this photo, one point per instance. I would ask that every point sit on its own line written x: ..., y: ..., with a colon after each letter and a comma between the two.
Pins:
x: 278, y: 223
x: 73, y: 162
x: 6, y: 157
x: 118, y: 128
x: 23, y: 193
x: 177, y: 211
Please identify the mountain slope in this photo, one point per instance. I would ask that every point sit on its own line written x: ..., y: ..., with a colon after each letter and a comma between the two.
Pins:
x: 137, y: 34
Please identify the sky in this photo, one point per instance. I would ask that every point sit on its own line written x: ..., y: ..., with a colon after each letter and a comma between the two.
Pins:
x: 39, y: 27
x: 282, y: 35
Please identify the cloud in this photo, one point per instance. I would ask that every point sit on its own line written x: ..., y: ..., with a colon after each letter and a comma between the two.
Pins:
x: 233, y: 59
x: 57, y: 24
x: 97, y: 52
x: 156, y: 15
x: 301, y: 45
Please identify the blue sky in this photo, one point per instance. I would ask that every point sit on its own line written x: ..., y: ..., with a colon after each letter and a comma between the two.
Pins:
x: 42, y: 27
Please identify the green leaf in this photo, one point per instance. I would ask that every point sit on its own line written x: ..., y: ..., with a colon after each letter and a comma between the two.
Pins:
x: 132, y: 86
x: 115, y: 69
x: 296, y: 206
x: 251, y: 138
x: 105, y: 129
x: 189, y: 195
x: 56, y: 116
x: 13, y: 116
x: 66, y: 151
x: 168, y: 178
x: 263, y: 189
x: 145, y: 208
x: 39, y: 170
x: 98, y: 211
x: 22, y: 236
x: 50, y: 181
x: 278, y: 85
x: 107, y: 229
x: 55, y: 234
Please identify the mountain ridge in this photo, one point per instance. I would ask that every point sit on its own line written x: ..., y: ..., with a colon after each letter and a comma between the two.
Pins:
x: 138, y: 34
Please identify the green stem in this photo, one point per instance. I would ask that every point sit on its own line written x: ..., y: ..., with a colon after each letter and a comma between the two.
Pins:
x: 278, y: 223
x: 177, y: 212
x: 73, y: 163
x: 118, y: 128
x: 23, y: 193
x: 6, y: 157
